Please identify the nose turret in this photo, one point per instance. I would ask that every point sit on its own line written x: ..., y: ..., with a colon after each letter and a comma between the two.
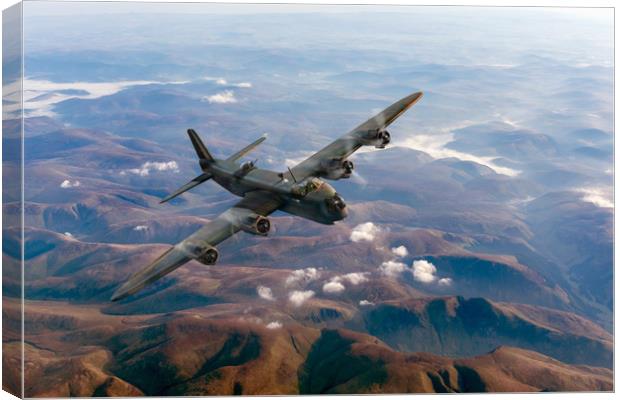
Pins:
x: 336, y: 207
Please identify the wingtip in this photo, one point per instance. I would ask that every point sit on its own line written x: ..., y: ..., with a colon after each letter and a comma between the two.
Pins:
x: 115, y: 297
x: 411, y: 99
x: 417, y: 96
x: 119, y: 294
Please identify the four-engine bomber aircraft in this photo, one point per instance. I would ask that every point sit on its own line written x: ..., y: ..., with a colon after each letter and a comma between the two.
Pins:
x: 299, y: 191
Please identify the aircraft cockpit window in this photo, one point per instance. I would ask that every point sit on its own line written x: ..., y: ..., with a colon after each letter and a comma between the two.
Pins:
x: 305, y: 187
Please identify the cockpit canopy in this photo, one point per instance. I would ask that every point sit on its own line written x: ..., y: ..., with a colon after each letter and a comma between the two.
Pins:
x: 308, y: 185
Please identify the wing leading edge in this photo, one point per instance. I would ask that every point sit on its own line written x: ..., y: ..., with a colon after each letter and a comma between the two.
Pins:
x: 216, y: 231
x: 346, y: 145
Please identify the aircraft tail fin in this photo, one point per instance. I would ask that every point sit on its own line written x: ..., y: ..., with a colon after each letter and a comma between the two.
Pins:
x: 189, y: 185
x: 247, y: 149
x: 201, y: 149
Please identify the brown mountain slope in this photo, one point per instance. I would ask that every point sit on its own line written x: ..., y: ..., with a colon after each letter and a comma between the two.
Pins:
x: 192, y: 355
x: 81, y: 374
x: 347, y: 362
x: 459, y: 327
x: 244, y: 349
x: 62, y: 267
x: 528, y: 370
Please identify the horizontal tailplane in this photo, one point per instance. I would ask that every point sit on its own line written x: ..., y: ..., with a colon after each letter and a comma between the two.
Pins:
x: 189, y: 185
x: 247, y: 149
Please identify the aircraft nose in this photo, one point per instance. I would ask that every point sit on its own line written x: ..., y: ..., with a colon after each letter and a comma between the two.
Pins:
x: 340, y: 207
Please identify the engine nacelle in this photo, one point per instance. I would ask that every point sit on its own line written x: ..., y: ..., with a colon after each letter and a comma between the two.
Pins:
x: 377, y: 138
x: 209, y: 256
x: 337, y: 169
x: 245, y: 168
x: 256, y: 225
x: 202, y: 252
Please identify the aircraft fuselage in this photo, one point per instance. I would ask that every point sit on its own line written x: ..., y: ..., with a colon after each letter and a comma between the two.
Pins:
x: 321, y: 203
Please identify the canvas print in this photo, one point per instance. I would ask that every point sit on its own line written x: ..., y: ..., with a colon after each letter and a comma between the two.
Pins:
x: 239, y: 199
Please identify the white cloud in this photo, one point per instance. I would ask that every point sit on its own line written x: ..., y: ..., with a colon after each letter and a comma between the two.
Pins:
x: 600, y: 197
x: 227, y: 96
x: 299, y: 297
x: 140, y: 228
x: 40, y: 96
x: 434, y: 145
x: 149, y: 166
x: 366, y: 303
x: 333, y: 286
x: 303, y: 276
x: 445, y: 282
x: 355, y: 278
x: 400, y: 251
x: 274, y: 325
x: 67, y: 184
x: 423, y: 271
x: 68, y: 234
x: 265, y: 293
x: 224, y: 82
x: 366, y: 231
x: 392, y: 268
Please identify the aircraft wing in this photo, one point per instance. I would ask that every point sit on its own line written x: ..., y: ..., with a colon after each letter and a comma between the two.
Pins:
x: 349, y: 143
x: 221, y: 228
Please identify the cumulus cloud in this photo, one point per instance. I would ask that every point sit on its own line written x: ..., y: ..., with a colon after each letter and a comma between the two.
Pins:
x: 140, y: 228
x: 299, y: 297
x: 243, y: 85
x: 333, y: 286
x: 364, y: 232
x: 303, y: 276
x: 600, y: 197
x: 444, y: 282
x: 67, y: 184
x: 227, y: 96
x: 149, y: 166
x: 274, y: 325
x: 265, y: 293
x: 355, y: 278
x: 400, y: 251
x: 423, y: 271
x: 392, y: 268
x: 366, y: 303
x: 69, y: 234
